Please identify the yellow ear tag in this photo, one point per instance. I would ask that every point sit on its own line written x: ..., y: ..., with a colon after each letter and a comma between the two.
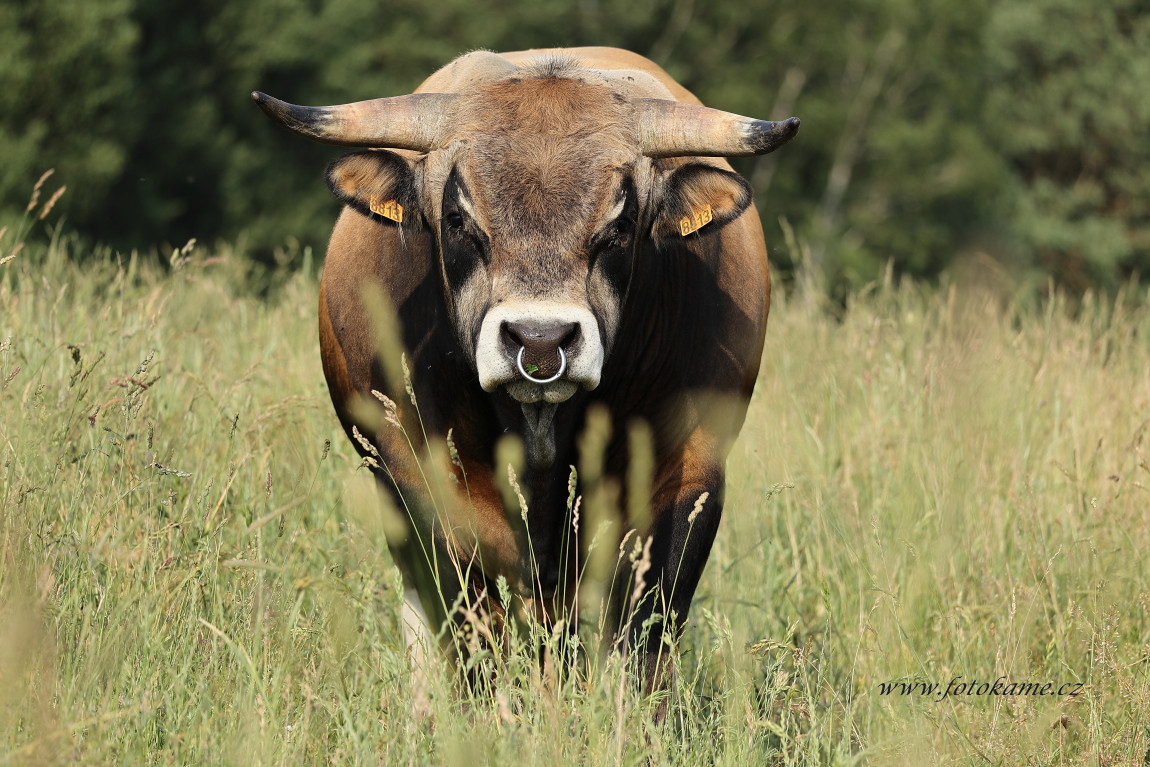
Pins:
x: 390, y: 209
x: 696, y: 221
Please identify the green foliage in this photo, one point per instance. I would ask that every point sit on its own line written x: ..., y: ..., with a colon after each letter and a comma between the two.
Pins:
x: 930, y: 129
x: 1069, y: 97
x: 891, y: 163
x: 67, y: 69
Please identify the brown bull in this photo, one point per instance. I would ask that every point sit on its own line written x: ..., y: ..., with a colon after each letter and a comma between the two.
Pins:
x: 555, y: 247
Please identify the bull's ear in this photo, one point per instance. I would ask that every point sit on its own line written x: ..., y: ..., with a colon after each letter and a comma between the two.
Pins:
x: 377, y: 183
x: 699, y: 196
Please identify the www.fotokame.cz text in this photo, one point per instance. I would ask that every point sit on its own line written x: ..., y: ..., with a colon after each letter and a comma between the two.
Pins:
x: 957, y: 688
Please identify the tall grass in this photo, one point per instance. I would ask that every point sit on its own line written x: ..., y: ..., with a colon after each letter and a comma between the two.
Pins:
x: 932, y: 485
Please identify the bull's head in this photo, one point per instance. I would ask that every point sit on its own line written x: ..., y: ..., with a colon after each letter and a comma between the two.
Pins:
x: 539, y: 185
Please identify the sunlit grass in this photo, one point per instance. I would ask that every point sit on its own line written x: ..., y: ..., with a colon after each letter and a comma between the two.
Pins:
x: 933, y: 485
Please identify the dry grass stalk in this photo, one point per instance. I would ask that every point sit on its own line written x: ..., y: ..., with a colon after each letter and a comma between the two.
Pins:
x: 36, y: 190
x: 52, y: 202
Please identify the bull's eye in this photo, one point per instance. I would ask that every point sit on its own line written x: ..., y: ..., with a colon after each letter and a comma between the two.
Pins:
x: 453, y: 220
x: 618, y: 236
x: 611, y: 253
x: 624, y: 229
x: 463, y: 245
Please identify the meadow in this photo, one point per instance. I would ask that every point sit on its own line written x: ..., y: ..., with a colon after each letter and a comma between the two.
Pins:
x: 935, y: 485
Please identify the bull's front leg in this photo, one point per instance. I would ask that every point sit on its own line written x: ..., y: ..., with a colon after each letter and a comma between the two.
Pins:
x: 657, y: 598
x: 449, y: 544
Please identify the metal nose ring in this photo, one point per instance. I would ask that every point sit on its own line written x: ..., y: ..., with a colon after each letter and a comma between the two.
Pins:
x: 523, y: 372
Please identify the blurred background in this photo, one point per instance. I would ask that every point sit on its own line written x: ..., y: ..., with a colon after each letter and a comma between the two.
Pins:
x: 1003, y: 142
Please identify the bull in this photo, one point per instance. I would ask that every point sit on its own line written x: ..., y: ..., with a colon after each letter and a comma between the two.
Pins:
x: 568, y: 255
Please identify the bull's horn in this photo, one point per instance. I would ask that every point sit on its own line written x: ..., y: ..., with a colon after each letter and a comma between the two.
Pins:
x: 400, y: 122
x: 675, y: 129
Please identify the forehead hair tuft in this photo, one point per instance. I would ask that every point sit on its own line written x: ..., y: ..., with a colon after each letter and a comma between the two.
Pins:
x: 552, y: 66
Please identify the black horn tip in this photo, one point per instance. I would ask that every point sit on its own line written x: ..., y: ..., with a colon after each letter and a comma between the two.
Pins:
x: 269, y: 104
x: 764, y: 136
x: 299, y: 120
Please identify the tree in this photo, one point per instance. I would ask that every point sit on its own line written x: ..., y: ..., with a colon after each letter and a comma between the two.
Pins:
x: 928, y: 127
x: 1067, y: 102
x: 66, y: 68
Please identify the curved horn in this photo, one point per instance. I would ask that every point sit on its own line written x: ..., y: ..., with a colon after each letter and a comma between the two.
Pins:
x: 400, y: 122
x: 675, y: 129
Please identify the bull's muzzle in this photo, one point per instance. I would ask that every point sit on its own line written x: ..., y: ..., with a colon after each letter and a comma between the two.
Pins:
x: 539, y: 351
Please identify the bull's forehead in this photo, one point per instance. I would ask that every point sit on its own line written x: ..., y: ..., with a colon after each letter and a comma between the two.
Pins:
x: 542, y: 185
x: 545, y: 156
x: 569, y: 104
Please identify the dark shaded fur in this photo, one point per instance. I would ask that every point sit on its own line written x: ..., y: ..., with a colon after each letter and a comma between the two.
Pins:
x: 464, y: 246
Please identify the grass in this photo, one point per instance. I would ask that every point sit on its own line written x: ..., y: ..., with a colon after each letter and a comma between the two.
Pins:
x: 935, y: 484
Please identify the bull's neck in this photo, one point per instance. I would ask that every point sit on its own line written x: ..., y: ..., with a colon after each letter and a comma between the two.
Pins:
x: 548, y: 432
x: 543, y: 427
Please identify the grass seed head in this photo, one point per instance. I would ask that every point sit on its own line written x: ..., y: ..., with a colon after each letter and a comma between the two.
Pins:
x: 698, y: 507
x: 390, y: 411
x: 514, y: 482
x: 364, y: 443
x: 642, y: 566
x: 36, y: 190
x: 52, y: 202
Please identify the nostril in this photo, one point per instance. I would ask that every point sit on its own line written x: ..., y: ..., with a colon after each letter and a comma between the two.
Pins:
x: 544, y: 338
x: 514, y: 333
x: 569, y: 338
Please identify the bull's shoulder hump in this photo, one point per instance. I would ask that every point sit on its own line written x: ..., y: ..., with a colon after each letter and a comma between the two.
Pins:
x: 633, y: 75
x: 604, y: 58
x: 593, y: 57
x: 468, y: 71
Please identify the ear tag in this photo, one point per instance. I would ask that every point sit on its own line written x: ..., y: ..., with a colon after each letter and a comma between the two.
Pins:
x: 390, y: 209
x: 696, y: 221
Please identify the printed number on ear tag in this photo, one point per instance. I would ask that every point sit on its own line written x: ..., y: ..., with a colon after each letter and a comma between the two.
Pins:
x: 390, y: 209
x: 696, y: 221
